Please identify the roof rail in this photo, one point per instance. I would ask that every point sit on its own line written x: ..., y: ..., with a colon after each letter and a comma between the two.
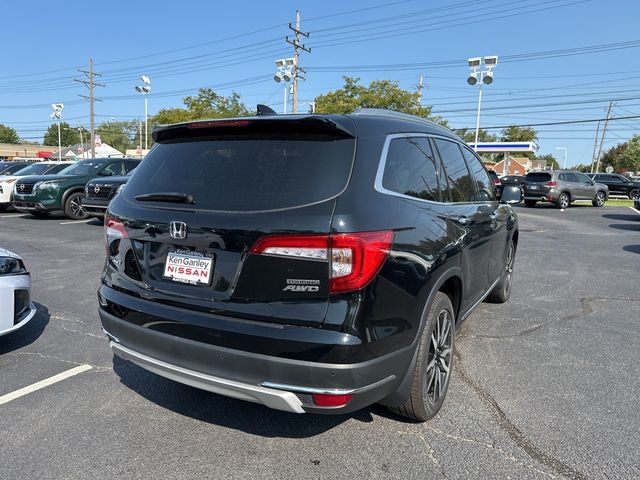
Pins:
x: 382, y: 112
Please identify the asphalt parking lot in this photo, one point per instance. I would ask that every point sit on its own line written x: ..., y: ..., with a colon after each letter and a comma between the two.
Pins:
x: 545, y: 386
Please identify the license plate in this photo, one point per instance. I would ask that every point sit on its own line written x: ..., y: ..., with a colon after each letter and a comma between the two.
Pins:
x: 188, y: 266
x: 533, y: 187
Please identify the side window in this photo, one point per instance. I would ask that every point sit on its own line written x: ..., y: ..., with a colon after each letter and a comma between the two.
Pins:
x: 130, y: 165
x: 571, y: 177
x: 461, y: 187
x: 484, y: 185
x: 562, y: 178
x: 582, y: 178
x: 115, y: 168
x: 410, y: 169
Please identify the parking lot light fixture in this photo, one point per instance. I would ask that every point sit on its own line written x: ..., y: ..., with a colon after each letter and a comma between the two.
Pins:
x: 284, y: 73
x: 481, y: 74
x: 145, y: 88
x: 57, y: 114
x: 564, y: 163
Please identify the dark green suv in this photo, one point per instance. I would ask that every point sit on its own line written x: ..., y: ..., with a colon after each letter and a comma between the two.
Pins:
x: 41, y: 195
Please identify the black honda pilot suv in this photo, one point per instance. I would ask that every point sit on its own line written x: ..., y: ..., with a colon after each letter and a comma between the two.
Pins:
x: 311, y: 263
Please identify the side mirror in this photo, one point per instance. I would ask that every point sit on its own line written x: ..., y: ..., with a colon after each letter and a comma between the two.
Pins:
x: 511, y: 194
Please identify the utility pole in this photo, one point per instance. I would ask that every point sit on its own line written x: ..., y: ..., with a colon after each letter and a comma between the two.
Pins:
x: 297, y: 46
x: 420, y: 87
x: 604, y: 132
x: 595, y: 147
x: 91, y: 83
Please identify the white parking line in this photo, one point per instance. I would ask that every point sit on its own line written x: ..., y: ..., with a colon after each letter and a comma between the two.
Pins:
x: 76, y: 221
x: 635, y: 209
x: 43, y: 383
x: 12, y: 215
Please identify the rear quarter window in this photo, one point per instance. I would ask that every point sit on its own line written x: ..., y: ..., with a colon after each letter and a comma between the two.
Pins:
x: 245, y: 173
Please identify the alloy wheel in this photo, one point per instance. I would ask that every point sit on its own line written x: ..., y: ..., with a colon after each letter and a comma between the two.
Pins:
x: 599, y: 199
x: 76, y: 206
x: 439, y: 360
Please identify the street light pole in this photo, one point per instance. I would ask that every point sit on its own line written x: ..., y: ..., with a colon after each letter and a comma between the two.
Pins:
x: 480, y: 77
x: 145, y: 89
x: 57, y: 114
x: 478, y: 115
x: 565, y: 156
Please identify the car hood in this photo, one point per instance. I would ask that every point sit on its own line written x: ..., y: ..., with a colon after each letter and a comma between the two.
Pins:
x: 80, y: 179
x: 7, y: 253
x: 113, y: 180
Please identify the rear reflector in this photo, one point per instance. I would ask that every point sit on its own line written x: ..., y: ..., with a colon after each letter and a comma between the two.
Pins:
x: 551, y: 184
x: 355, y: 257
x: 327, y: 400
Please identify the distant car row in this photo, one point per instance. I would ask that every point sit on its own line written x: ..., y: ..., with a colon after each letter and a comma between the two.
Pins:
x: 79, y: 189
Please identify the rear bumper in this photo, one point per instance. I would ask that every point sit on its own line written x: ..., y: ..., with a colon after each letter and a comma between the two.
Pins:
x: 273, y: 380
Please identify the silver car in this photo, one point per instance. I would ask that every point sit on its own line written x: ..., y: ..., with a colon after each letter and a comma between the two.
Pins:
x: 562, y: 188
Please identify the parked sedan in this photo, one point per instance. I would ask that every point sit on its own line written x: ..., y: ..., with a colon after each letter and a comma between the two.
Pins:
x: 16, y: 308
x: 38, y: 168
x: 9, y: 168
x: 99, y: 191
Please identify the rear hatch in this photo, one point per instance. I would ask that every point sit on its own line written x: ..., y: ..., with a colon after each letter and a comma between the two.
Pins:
x: 537, y: 184
x: 195, y: 210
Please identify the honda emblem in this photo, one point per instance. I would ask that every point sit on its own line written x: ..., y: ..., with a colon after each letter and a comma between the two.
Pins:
x: 178, y: 230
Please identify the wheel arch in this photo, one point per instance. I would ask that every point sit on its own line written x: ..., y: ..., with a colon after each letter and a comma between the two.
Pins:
x: 69, y: 192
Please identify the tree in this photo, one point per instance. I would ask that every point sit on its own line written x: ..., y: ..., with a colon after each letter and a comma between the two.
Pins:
x: 385, y: 94
x: 515, y: 133
x: 207, y: 104
x: 121, y: 135
x: 68, y: 135
x: 624, y: 157
x: 8, y: 135
x: 469, y: 135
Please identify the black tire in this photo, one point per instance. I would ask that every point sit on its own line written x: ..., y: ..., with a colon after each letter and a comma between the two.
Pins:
x: 563, y: 201
x: 599, y: 199
x: 434, y: 363
x: 635, y: 193
x: 502, y: 291
x: 530, y: 203
x: 73, y: 207
x: 39, y: 214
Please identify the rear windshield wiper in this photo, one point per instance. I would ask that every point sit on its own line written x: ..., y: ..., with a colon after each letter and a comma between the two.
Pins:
x: 175, y: 197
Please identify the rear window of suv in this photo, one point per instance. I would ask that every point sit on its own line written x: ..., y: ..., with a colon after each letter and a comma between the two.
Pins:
x: 538, y: 177
x: 245, y: 173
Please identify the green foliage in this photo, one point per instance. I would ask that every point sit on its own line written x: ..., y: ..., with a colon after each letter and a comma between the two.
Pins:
x: 624, y: 157
x: 207, y: 104
x: 583, y: 168
x: 68, y: 135
x: 385, y: 94
x: 8, y: 135
x: 515, y: 133
x: 121, y: 135
x: 469, y: 135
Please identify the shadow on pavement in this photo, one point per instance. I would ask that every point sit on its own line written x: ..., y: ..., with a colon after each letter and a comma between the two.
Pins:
x: 28, y: 334
x: 632, y: 248
x: 626, y: 226
x: 634, y: 217
x: 232, y: 413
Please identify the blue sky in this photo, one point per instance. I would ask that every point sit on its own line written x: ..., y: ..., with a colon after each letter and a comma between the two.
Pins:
x: 232, y: 46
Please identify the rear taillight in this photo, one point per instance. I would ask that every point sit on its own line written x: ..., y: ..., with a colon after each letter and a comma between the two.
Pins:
x: 551, y: 184
x: 114, y: 230
x: 496, y: 181
x: 355, y: 257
